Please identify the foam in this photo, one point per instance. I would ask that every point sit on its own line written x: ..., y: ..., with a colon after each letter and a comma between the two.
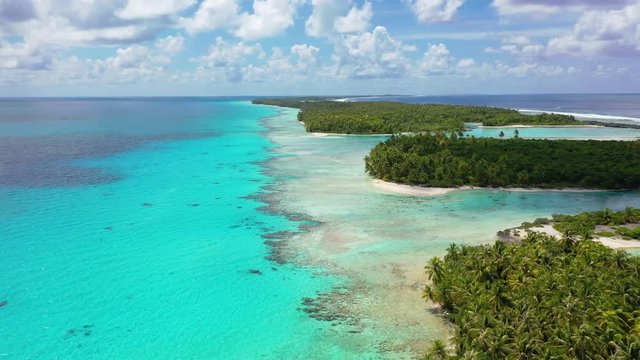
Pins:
x: 582, y: 115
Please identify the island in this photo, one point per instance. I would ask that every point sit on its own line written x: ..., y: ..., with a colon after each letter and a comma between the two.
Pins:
x: 539, y: 298
x: 615, y: 229
x: 379, y: 117
x: 449, y: 161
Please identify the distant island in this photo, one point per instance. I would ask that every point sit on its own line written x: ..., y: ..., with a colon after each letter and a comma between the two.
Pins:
x: 447, y: 160
x: 540, y: 298
x: 321, y: 115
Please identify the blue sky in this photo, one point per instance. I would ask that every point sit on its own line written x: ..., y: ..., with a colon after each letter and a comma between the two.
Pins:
x: 317, y: 47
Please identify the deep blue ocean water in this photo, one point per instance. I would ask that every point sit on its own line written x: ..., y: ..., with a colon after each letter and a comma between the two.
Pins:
x: 134, y: 228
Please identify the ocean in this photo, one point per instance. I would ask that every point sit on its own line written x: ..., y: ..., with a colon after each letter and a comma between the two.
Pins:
x: 210, y: 228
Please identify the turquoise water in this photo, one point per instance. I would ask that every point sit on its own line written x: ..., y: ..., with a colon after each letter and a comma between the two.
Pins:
x: 90, y: 272
x: 560, y: 133
x: 136, y: 229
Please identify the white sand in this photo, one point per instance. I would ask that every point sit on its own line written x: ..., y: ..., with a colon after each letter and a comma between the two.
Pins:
x: 323, y: 134
x: 414, y: 190
x: 612, y: 242
x: 538, y: 126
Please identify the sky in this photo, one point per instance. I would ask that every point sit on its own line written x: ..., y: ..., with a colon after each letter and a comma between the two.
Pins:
x: 317, y: 47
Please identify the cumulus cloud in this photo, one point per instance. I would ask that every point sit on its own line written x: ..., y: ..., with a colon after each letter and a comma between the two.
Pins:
x: 323, y: 16
x: 24, y: 56
x: 212, y: 15
x: 436, y: 60
x: 235, y: 62
x: 229, y: 58
x: 285, y: 67
x: 435, y: 10
x: 520, y: 47
x: 369, y: 55
x: 357, y: 20
x: 269, y: 18
x: 144, y: 9
x: 307, y: 55
x: 611, y: 33
x: 546, y: 7
x: 331, y: 17
x: 135, y: 63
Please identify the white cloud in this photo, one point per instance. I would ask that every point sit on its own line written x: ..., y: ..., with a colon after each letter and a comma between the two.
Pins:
x: 226, y: 54
x: 295, y: 65
x: 332, y: 17
x: 612, y: 33
x: 466, y: 63
x: 436, y: 60
x: 229, y: 58
x: 435, y: 10
x: 357, y: 20
x: 144, y: 9
x: 520, y: 47
x: 22, y: 56
x: 307, y: 55
x: 269, y: 18
x: 369, y: 55
x: 538, y: 8
x: 323, y: 16
x: 131, y: 64
x: 212, y: 15
x: 237, y: 62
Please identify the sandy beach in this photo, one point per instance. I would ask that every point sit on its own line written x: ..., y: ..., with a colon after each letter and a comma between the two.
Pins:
x: 414, y: 190
x: 539, y: 126
x: 612, y: 242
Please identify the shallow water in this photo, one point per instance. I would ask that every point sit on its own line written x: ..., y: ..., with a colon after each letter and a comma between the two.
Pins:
x: 151, y: 242
x: 606, y: 133
x: 381, y: 241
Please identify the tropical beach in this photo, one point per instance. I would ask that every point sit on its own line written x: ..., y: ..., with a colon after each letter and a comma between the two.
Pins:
x: 377, y: 241
x: 319, y: 179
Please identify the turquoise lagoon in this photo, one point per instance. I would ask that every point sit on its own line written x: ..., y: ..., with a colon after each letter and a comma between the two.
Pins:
x: 143, y: 235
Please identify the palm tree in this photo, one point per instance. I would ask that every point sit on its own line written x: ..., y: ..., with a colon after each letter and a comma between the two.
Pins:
x: 435, y: 270
x: 438, y: 351
x: 628, y: 214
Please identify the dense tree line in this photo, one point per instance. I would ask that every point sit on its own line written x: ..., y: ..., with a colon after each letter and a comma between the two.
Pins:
x: 448, y: 160
x: 543, y: 298
x: 392, y: 118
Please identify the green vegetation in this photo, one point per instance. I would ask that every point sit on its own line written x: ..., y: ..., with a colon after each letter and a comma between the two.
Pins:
x: 544, y: 298
x: 446, y: 161
x: 391, y: 118
x: 621, y: 223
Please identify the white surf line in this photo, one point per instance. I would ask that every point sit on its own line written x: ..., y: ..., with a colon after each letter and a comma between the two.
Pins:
x: 581, y: 115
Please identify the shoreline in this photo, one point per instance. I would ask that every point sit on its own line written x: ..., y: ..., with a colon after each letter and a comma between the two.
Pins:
x: 416, y: 190
x: 539, y: 126
x: 323, y: 134
x: 519, y: 233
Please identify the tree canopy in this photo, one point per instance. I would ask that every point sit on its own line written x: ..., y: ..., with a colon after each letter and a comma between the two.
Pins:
x: 448, y: 160
x: 543, y: 298
x: 392, y: 118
